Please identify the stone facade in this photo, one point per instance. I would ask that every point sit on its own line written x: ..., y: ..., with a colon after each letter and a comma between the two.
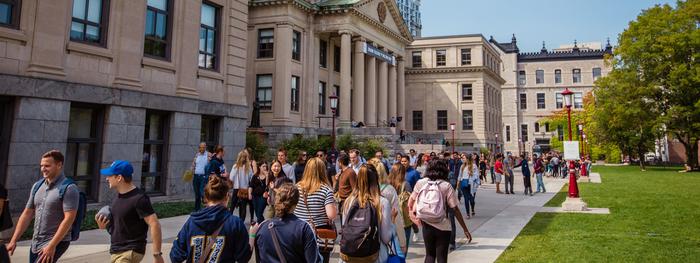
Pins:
x: 465, y: 83
x: 528, y: 98
x: 47, y: 73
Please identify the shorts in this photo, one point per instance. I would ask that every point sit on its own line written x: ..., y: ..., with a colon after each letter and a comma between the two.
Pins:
x: 128, y: 256
x: 498, y: 178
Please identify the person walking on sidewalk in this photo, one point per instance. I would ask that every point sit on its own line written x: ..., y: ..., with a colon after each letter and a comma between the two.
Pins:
x: 287, y: 168
x: 129, y: 217
x: 257, y: 191
x: 469, y: 181
x: 240, y: 175
x: 508, y: 163
x: 200, y: 178
x: 317, y: 205
x: 498, y: 169
x: 538, y: 173
x: 428, y: 205
x: 523, y: 163
x: 213, y: 234
x: 216, y: 165
x: 53, y: 216
x: 483, y: 167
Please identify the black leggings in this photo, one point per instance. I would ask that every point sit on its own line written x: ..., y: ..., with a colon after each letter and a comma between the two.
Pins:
x: 436, y: 245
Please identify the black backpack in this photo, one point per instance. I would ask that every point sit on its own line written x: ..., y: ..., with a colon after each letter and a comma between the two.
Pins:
x: 360, y: 234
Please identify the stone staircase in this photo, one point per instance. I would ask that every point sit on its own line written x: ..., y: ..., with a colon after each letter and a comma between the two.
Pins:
x: 392, y: 139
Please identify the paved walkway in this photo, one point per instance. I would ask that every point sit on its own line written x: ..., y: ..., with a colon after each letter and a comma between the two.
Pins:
x: 499, y: 219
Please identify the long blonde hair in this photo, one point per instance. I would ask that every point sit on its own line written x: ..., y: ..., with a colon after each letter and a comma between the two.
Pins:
x: 314, y: 176
x: 242, y: 161
x: 381, y: 170
x: 397, y: 176
x: 366, y: 190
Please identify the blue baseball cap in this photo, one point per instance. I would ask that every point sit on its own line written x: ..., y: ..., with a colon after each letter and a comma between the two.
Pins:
x: 120, y: 167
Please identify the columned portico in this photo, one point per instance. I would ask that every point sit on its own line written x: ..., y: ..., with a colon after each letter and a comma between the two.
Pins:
x: 401, y: 82
x: 358, y: 91
x: 382, y: 93
x: 392, y: 91
x: 370, y: 101
x: 345, y: 67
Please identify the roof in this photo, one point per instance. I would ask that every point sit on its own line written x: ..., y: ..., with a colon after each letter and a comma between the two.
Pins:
x: 573, y: 54
x: 511, y: 47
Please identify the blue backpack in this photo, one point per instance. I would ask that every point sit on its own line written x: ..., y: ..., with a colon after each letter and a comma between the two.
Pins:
x: 82, y: 205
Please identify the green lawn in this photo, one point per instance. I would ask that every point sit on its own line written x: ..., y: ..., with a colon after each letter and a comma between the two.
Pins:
x: 655, y: 217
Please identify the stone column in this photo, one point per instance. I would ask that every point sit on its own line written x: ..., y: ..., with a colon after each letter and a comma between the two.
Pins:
x: 401, y: 97
x: 345, y: 67
x: 130, y: 45
x: 382, y: 92
x: 188, y: 49
x: 281, y: 92
x: 50, y: 17
x: 358, y: 93
x: 392, y: 91
x: 370, y: 119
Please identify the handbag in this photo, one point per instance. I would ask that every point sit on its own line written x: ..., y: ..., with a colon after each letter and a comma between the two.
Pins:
x: 395, y: 253
x: 187, y: 176
x: 6, y: 217
x: 464, y: 183
x: 242, y: 193
x: 325, y: 237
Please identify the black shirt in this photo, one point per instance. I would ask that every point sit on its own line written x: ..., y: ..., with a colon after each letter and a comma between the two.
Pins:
x: 258, y: 185
x: 128, y: 227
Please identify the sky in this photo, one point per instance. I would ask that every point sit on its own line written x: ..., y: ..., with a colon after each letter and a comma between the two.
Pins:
x: 556, y: 22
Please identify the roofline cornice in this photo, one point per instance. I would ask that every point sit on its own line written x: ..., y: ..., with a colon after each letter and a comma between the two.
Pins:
x: 475, y: 69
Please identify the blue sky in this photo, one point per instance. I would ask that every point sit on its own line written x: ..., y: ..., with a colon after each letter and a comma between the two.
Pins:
x: 554, y: 21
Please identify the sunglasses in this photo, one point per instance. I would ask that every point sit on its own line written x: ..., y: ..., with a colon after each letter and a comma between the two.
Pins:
x: 319, y: 155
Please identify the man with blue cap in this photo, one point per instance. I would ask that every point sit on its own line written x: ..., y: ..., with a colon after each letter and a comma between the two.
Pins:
x: 131, y: 217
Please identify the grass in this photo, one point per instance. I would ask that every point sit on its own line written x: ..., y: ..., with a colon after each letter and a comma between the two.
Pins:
x: 655, y: 217
x: 163, y: 210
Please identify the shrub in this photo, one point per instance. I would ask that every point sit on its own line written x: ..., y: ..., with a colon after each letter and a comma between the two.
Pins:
x: 257, y: 146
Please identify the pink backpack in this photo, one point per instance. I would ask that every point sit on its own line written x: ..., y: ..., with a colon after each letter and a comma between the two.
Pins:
x: 430, y: 205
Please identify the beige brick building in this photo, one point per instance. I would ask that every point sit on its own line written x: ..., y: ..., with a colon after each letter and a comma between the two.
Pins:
x: 454, y: 79
x: 534, y: 82
x: 140, y: 80
x: 302, y: 52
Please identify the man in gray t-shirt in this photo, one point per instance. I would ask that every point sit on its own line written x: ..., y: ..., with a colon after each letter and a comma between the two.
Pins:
x: 53, y: 217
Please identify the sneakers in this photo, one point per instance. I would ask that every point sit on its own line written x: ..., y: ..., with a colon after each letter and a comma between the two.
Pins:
x: 415, y: 238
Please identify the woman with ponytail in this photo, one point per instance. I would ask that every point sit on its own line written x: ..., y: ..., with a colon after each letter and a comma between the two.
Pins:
x: 213, y: 225
x: 285, y: 238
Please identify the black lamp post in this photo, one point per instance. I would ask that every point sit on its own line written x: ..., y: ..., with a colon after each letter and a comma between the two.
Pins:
x: 334, y: 108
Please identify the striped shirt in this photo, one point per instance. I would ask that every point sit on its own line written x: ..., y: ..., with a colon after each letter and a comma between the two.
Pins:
x: 316, y: 206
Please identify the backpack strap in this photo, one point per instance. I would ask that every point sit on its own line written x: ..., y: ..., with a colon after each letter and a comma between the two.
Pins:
x: 276, y: 242
x: 64, y: 186
x: 208, y: 243
x: 36, y: 187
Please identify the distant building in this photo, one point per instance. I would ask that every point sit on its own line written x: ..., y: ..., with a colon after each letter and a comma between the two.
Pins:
x: 410, y: 10
x: 534, y: 82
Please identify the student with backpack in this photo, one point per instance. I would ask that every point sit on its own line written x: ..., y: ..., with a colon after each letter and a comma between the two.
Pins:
x: 54, y: 203
x: 367, y: 229
x: 397, y: 180
x: 428, y: 204
x: 130, y: 217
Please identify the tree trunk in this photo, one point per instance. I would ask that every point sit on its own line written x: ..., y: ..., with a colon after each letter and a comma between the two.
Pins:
x: 642, y: 157
x: 691, y: 153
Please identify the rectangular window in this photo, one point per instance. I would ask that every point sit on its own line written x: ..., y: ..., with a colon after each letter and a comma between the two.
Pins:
x: 557, y: 76
x: 560, y: 132
x: 441, y: 57
x: 337, y: 93
x: 321, y: 97
x: 417, y: 59
x: 507, y: 133
x: 266, y: 43
x: 83, y: 148
x: 294, y: 98
x: 523, y: 132
x: 522, y: 79
x: 209, y: 37
x: 576, y: 73
x: 596, y: 73
x: 560, y: 101
x: 466, y: 56
x: 466, y: 92
x: 6, y: 113
x: 417, y: 120
x: 578, y: 100
x: 539, y: 76
x: 323, y: 54
x: 89, y: 21
x: 523, y: 101
x: 296, y: 45
x: 467, y: 120
x: 155, y: 145
x: 264, y: 91
x: 442, y: 120
x: 537, y: 127
x: 540, y: 101
x: 158, y: 23
x: 546, y: 126
x: 9, y: 13
x: 336, y: 58
x: 209, y: 132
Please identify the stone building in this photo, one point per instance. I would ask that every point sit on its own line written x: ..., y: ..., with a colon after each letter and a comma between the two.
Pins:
x: 303, y: 52
x: 455, y: 79
x: 534, y: 82
x: 140, y: 80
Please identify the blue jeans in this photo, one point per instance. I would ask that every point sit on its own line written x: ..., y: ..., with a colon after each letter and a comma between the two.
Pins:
x: 407, y: 231
x: 198, y: 183
x: 468, y: 198
x: 540, y: 183
x: 60, y: 249
x: 259, y: 204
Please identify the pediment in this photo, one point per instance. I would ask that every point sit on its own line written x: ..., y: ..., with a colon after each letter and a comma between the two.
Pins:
x: 385, y: 13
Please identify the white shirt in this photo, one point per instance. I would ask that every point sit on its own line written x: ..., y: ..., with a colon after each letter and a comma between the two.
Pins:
x: 200, y: 162
x: 240, y: 178
x: 288, y: 170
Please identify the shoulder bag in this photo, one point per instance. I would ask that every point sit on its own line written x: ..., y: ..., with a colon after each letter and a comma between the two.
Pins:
x: 325, y: 237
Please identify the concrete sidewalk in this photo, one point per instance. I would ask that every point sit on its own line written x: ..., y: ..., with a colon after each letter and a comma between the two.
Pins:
x: 499, y: 219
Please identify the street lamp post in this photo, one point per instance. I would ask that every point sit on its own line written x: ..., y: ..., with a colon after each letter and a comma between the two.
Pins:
x: 573, y: 185
x: 452, y: 127
x: 497, y: 144
x: 334, y: 108
x: 585, y: 142
x: 580, y: 137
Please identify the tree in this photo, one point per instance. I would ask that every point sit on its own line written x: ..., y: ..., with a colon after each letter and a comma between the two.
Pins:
x: 656, y: 77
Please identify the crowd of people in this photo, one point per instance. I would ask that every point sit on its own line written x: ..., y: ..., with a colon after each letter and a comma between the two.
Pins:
x: 372, y: 209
